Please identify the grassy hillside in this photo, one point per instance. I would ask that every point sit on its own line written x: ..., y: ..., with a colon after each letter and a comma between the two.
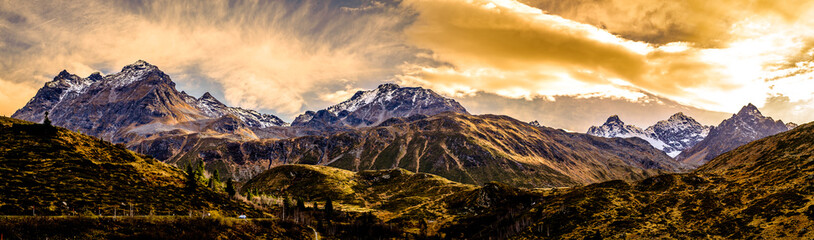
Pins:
x: 761, y: 190
x: 396, y: 196
x: 53, y: 171
x: 149, y: 228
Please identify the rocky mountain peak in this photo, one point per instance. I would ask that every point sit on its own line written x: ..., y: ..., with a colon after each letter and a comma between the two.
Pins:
x: 388, y: 87
x: 673, y: 135
x: 614, y: 120
x: 208, y: 97
x: 749, y: 110
x: 678, y: 117
x: 64, y: 74
x: 95, y: 76
x: 743, y: 127
x: 138, y: 65
x: 129, y: 105
x: 371, y: 107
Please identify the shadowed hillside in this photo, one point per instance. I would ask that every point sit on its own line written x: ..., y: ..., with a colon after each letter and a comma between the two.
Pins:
x: 53, y: 171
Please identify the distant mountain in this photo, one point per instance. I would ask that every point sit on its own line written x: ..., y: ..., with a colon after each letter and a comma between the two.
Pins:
x: 136, y: 103
x: 211, y: 107
x: 672, y: 136
x: 460, y: 147
x: 369, y: 108
x: 745, y: 126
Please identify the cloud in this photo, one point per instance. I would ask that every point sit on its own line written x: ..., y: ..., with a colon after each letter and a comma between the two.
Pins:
x: 288, y: 56
x: 705, y: 23
x: 578, y: 114
x: 517, y: 51
x: 262, y: 54
x: 14, y: 95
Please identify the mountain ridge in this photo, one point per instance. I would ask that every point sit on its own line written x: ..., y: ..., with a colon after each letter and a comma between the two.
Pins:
x: 743, y: 127
x: 672, y: 136
x: 140, y: 96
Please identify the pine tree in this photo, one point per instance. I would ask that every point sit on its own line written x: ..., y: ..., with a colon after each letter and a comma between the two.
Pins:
x: 300, y: 204
x: 199, y: 170
x: 192, y: 181
x: 211, y: 183
x: 230, y: 187
x: 329, y: 208
x: 216, y: 175
x: 287, y: 202
x: 46, y: 121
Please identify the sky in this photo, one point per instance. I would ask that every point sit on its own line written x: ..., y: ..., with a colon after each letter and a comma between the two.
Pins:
x: 568, y: 64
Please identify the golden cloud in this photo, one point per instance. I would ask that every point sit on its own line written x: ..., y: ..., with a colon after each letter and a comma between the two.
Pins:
x: 262, y: 54
x: 517, y: 51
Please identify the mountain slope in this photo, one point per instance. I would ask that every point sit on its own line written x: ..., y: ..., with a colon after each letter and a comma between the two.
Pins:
x: 136, y: 103
x: 672, y: 136
x: 763, y: 189
x: 460, y: 147
x: 57, y: 171
x: 369, y: 108
x: 745, y: 126
x: 391, y: 193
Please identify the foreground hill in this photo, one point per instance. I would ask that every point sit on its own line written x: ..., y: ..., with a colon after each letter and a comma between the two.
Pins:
x: 460, y: 147
x: 53, y: 171
x: 414, y: 202
x: 745, y: 126
x: 760, y: 190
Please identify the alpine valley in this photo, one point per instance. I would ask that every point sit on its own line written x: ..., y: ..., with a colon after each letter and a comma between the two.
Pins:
x: 127, y: 155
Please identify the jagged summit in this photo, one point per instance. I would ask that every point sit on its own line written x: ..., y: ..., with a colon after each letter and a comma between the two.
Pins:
x: 673, y: 135
x: 137, y: 102
x: 749, y: 109
x: 95, y: 76
x: 614, y: 119
x: 138, y: 65
x: 371, y: 107
x: 678, y: 116
x: 64, y: 74
x: 388, y: 86
x: 743, y: 127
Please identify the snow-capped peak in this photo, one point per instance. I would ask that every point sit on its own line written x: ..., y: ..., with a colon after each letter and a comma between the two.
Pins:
x: 138, y: 65
x: 388, y: 100
x: 672, y: 136
x: 212, y: 107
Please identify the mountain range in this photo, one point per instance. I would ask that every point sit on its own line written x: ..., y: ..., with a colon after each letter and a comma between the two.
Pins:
x: 418, y: 173
x: 672, y: 136
x: 743, y: 127
x: 387, y: 127
x: 137, y: 103
x: 692, y: 143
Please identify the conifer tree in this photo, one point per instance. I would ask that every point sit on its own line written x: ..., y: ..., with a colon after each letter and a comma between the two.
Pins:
x: 230, y: 187
x: 300, y: 204
x: 192, y: 181
x: 46, y: 121
x: 216, y: 175
x: 329, y: 208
